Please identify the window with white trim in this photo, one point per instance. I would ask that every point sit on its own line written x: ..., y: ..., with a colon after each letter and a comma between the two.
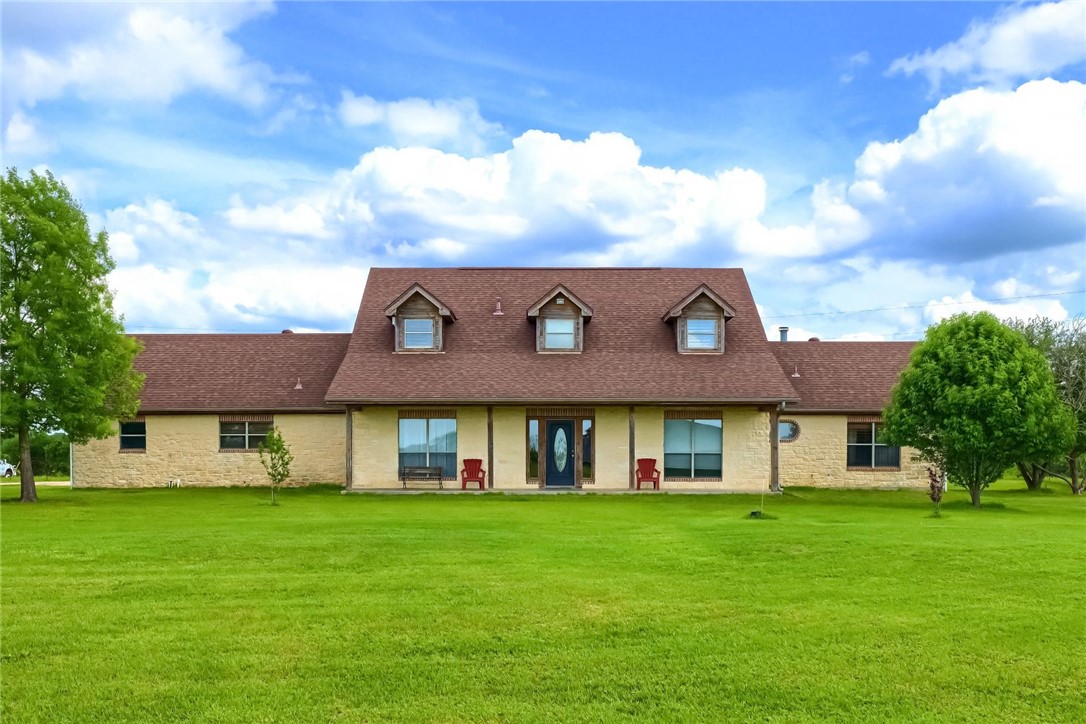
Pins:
x: 866, y: 448
x: 559, y: 333
x: 418, y: 333
x: 701, y: 334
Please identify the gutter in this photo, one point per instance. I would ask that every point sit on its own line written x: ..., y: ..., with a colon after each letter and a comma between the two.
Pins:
x: 670, y: 402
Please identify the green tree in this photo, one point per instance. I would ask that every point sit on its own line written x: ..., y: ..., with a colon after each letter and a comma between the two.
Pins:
x: 974, y: 400
x: 48, y: 452
x: 1064, y: 346
x: 66, y: 363
x: 276, y: 458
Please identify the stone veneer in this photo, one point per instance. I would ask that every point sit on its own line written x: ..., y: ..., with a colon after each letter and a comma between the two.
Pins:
x: 817, y: 458
x: 186, y: 447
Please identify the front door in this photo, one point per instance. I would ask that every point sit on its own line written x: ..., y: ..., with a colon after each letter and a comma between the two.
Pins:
x: 560, y: 453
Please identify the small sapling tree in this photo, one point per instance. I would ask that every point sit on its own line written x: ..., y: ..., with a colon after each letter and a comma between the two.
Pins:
x: 975, y: 399
x: 276, y: 458
x: 935, y: 488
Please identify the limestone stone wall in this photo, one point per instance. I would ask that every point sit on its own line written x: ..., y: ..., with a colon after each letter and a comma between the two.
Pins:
x: 186, y: 447
x: 818, y: 458
x: 375, y: 450
x: 746, y: 449
x: 511, y: 449
x: 612, y: 440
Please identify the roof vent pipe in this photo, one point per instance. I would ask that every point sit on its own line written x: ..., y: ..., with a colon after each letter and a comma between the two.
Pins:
x: 784, y: 333
x: 298, y: 386
x: 498, y: 308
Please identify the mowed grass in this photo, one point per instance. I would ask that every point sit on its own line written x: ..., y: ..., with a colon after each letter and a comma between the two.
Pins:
x: 211, y: 605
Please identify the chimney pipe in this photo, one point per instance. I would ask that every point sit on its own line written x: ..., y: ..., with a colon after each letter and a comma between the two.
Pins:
x: 784, y: 333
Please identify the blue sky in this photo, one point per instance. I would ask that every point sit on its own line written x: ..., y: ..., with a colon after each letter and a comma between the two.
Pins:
x: 252, y: 161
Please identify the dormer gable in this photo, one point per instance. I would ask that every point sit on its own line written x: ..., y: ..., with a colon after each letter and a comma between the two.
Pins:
x: 560, y: 316
x: 419, y: 318
x: 700, y: 319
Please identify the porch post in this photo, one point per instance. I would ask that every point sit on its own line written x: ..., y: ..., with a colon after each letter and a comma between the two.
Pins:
x: 774, y: 451
x: 632, y: 452
x: 350, y: 448
x: 490, y: 447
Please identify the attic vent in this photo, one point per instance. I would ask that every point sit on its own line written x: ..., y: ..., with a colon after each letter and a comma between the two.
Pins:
x: 287, y: 331
x: 559, y: 300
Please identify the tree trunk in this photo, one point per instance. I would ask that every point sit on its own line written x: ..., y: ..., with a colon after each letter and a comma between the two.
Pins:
x: 1032, y: 474
x: 974, y: 496
x: 1076, y: 484
x: 29, y: 492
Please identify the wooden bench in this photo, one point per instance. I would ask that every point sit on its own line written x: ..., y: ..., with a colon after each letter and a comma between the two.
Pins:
x: 419, y: 474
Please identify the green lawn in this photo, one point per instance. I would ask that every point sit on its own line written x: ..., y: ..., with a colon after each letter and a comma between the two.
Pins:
x: 211, y: 605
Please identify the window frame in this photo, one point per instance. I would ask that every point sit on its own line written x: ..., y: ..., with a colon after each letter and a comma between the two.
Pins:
x: 795, y: 426
x: 714, y: 345
x: 427, y: 419
x: 406, y: 321
x: 693, y: 476
x: 122, y: 435
x: 252, y: 439
x: 874, y: 445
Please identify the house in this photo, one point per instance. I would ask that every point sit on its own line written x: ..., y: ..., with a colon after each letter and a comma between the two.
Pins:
x: 553, y: 378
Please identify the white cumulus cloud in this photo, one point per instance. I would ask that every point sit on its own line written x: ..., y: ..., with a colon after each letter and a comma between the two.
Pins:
x: 985, y: 172
x: 455, y: 123
x: 1021, y: 42
x: 148, y: 53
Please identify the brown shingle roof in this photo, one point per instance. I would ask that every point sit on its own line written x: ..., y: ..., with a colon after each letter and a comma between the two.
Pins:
x: 235, y: 372
x: 843, y: 376
x: 629, y: 353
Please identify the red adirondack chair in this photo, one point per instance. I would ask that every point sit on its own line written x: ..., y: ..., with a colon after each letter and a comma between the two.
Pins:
x: 472, y: 473
x: 647, y: 473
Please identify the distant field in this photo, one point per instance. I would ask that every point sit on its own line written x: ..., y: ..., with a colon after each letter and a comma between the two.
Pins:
x: 211, y: 605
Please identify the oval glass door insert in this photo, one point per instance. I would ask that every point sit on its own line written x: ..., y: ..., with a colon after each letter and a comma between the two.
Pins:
x: 560, y: 449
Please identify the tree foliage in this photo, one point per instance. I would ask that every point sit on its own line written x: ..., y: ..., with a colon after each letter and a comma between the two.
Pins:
x: 1064, y: 346
x: 975, y: 399
x: 276, y: 458
x: 66, y: 363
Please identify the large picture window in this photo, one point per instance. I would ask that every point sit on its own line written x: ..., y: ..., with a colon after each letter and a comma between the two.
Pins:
x: 133, y: 435
x: 429, y: 442
x: 693, y: 449
x: 242, y: 435
x: 866, y: 448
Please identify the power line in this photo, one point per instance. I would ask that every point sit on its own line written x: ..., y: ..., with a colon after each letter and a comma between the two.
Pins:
x: 926, y: 304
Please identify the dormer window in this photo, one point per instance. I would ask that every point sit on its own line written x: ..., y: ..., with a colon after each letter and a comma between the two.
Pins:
x: 699, y: 321
x: 419, y: 319
x: 418, y: 333
x: 560, y: 317
x: 701, y: 334
x: 559, y: 333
